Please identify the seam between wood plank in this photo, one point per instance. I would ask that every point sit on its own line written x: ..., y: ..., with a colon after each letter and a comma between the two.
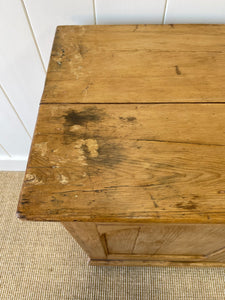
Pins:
x: 130, y: 103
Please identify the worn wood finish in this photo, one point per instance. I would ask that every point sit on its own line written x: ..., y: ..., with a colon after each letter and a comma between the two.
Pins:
x: 169, y: 157
x: 128, y: 150
x: 136, y: 64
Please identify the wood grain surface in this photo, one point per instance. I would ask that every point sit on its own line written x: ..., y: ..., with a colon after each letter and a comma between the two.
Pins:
x: 155, y: 241
x: 129, y: 146
x: 137, y: 64
x: 127, y: 163
x: 172, y: 243
x: 87, y: 237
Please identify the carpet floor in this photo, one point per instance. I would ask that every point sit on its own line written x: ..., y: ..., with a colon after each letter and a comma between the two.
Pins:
x: 41, y: 261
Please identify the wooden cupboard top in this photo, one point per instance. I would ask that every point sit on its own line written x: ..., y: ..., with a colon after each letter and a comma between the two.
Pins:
x: 137, y: 64
x: 131, y: 127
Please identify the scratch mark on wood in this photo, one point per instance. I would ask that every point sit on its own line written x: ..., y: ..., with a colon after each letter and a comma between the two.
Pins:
x: 85, y: 91
x: 179, y: 142
x: 153, y: 200
x: 155, y: 204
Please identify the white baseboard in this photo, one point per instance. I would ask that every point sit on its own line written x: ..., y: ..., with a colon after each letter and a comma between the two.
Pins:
x: 13, y: 164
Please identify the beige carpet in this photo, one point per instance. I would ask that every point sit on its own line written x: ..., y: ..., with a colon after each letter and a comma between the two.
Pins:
x: 42, y: 261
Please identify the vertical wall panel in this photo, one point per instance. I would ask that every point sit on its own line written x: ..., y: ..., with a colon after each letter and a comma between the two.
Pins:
x: 3, y: 153
x: 45, y: 15
x: 195, y: 11
x: 21, y: 72
x: 129, y: 11
x: 13, y: 136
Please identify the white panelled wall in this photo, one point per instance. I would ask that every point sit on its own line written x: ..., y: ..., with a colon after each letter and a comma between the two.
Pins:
x: 27, y: 30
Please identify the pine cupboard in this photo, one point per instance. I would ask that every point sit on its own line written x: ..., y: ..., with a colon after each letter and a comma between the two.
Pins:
x: 129, y: 147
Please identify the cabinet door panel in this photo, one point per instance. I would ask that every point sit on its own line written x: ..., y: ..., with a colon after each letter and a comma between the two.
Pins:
x: 159, y: 241
x: 180, y: 239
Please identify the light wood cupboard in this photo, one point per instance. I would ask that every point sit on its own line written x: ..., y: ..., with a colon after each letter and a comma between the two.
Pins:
x: 129, y: 147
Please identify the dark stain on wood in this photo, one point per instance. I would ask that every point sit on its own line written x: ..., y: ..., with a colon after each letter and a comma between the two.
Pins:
x: 86, y: 150
x: 189, y: 205
x: 136, y: 28
x: 110, y: 154
x: 56, y: 201
x: 60, y: 55
x: 62, y: 52
x: 128, y: 119
x: 82, y: 50
x: 25, y: 201
x: 178, y: 72
x: 91, y: 114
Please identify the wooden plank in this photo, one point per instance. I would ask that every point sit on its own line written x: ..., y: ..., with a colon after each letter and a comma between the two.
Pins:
x: 193, y: 124
x: 152, y: 63
x: 21, y: 72
x: 13, y: 136
x: 88, y: 238
x: 195, y: 11
x: 129, y: 12
x: 53, y: 13
x: 169, y: 157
